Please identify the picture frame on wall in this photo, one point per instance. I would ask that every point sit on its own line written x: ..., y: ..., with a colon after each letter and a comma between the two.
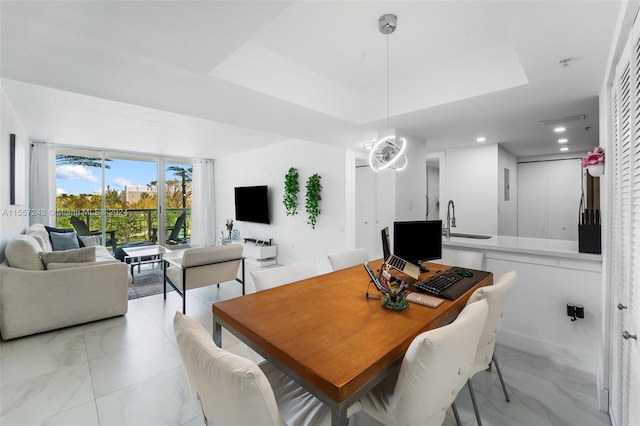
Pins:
x: 12, y: 169
x: 16, y: 171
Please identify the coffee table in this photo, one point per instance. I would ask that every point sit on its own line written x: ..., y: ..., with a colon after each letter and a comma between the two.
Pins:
x: 144, y: 255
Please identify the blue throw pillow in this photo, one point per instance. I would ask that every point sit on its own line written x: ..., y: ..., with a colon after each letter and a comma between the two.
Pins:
x: 64, y: 240
x: 51, y: 229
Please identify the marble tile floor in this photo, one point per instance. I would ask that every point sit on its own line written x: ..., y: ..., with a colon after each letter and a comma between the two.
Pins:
x: 127, y: 371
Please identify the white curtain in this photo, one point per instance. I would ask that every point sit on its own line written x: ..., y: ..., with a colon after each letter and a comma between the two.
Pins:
x: 42, y: 184
x: 203, y: 220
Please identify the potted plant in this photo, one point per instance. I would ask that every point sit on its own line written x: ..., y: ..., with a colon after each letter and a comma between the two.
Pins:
x: 594, y: 161
x: 313, y: 199
x: 291, y: 189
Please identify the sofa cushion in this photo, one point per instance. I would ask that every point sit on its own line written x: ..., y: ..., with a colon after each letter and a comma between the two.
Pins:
x: 103, y: 255
x: 55, y: 265
x: 40, y: 233
x: 84, y: 254
x: 22, y: 252
x: 62, y: 239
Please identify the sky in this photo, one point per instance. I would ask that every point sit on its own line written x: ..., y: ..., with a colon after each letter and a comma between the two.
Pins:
x: 77, y: 179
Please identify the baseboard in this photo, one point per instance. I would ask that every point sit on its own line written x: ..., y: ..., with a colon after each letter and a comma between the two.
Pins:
x: 612, y: 417
x: 603, y: 400
x: 583, y: 361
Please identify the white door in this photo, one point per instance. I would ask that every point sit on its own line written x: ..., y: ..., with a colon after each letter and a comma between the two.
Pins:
x: 624, y: 169
x: 433, y: 190
x: 366, y: 213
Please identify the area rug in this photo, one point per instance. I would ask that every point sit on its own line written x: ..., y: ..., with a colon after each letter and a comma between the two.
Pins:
x: 147, y: 282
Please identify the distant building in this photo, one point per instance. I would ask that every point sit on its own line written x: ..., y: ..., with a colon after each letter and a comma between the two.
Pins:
x: 133, y: 193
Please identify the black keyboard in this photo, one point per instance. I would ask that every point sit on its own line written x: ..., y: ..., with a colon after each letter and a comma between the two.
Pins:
x: 439, y: 282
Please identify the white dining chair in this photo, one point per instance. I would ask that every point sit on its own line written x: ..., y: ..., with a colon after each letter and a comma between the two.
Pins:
x: 496, y: 296
x: 273, y: 277
x: 348, y: 258
x: 233, y: 390
x: 434, y: 369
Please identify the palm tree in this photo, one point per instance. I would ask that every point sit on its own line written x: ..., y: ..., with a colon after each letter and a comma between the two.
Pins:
x: 185, y: 175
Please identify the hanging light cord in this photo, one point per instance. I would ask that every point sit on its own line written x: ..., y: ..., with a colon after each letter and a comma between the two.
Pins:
x: 388, y: 90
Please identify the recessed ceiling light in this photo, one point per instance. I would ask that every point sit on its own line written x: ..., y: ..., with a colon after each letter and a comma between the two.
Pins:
x: 564, y: 148
x: 559, y: 129
x: 563, y: 140
x: 481, y: 139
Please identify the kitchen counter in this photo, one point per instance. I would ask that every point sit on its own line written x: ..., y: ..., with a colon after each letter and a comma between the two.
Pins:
x: 525, y: 245
x: 551, y: 274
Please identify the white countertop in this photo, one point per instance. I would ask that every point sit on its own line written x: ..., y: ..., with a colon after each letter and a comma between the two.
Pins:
x: 537, y: 246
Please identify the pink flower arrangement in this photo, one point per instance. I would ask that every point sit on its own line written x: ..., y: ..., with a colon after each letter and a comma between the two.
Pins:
x: 594, y: 157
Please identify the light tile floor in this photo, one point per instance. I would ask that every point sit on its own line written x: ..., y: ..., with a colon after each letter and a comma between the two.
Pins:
x: 127, y: 371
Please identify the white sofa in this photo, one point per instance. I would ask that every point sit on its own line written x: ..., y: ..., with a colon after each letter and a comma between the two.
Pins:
x: 34, y: 299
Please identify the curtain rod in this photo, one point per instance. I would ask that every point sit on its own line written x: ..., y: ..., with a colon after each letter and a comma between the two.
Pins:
x: 117, y: 151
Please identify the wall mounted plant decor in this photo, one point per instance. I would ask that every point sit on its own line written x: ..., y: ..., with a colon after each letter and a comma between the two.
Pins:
x: 313, y: 199
x: 291, y: 189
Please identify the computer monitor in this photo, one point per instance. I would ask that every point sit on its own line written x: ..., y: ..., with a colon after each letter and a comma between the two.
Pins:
x: 418, y: 241
x: 386, y: 243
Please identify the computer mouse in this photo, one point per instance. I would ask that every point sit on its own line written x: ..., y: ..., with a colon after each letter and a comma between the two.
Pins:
x: 464, y: 272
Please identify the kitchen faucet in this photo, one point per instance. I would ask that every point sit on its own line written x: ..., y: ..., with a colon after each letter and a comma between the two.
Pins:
x: 451, y: 220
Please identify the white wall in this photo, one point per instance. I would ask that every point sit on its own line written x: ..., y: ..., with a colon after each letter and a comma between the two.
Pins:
x: 10, y: 223
x: 296, y: 240
x: 471, y: 176
x: 507, y: 210
x: 411, y: 183
x: 535, y: 317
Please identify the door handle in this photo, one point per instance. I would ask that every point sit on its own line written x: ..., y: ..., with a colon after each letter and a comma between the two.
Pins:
x: 627, y: 336
x: 621, y: 306
x: 427, y: 207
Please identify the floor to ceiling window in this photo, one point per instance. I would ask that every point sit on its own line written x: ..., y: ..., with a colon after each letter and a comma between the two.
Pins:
x: 177, y: 201
x: 116, y: 196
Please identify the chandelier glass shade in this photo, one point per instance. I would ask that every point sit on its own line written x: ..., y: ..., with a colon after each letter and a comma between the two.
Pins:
x: 388, y: 153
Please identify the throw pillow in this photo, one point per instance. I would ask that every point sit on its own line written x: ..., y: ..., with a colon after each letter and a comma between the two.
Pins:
x: 54, y: 265
x: 85, y: 254
x: 64, y: 240
x: 51, y: 229
x: 22, y: 253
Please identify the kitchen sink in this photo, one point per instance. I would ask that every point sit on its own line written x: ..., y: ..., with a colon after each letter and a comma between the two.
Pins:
x: 475, y: 236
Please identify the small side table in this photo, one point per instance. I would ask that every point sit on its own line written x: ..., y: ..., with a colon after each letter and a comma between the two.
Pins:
x: 144, y: 255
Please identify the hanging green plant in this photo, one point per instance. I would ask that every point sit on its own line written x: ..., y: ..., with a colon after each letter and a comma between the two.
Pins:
x: 313, y: 199
x: 291, y: 189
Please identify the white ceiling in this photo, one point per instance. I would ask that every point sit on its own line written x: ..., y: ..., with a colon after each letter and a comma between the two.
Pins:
x: 209, y: 78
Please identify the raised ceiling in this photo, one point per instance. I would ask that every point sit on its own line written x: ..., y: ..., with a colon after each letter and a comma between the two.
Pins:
x: 223, y: 76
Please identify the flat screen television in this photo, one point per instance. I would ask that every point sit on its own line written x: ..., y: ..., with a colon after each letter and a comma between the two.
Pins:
x: 418, y: 241
x: 252, y: 204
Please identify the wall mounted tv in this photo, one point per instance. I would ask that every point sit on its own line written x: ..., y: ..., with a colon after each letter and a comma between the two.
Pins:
x: 252, y: 204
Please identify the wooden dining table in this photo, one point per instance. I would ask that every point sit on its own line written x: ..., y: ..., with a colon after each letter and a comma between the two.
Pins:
x: 328, y: 336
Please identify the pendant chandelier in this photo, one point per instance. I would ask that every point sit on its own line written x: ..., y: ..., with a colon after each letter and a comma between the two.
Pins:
x: 388, y: 152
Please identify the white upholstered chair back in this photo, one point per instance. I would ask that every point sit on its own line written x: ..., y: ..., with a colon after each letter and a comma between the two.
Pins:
x: 465, y: 258
x: 496, y: 295
x: 232, y: 390
x: 433, y: 371
x: 208, y: 265
x: 348, y: 258
x: 204, y: 266
x: 274, y: 277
